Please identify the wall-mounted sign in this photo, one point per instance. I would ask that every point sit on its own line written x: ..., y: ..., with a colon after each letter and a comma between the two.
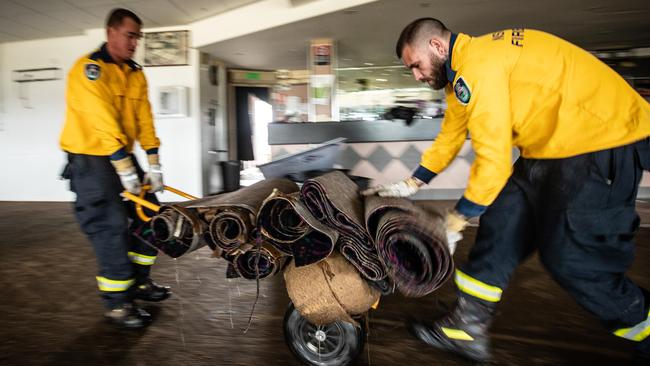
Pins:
x: 322, y: 54
x: 166, y: 48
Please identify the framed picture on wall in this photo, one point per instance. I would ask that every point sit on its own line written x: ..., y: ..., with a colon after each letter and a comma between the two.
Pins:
x: 166, y: 48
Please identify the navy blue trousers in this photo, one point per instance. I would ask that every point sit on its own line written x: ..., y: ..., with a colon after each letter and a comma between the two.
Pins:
x: 109, y: 221
x: 579, y: 213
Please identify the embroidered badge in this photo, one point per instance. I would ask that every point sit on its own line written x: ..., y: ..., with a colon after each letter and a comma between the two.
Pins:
x: 461, y: 89
x: 92, y: 71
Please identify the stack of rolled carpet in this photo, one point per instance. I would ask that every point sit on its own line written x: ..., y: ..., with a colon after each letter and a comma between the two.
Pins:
x: 259, y: 228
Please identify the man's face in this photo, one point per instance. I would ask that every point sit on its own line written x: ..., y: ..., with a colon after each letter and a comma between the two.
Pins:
x: 426, y: 64
x: 123, y: 39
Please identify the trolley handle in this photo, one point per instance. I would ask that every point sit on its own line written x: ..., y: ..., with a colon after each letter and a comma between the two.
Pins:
x: 140, y: 201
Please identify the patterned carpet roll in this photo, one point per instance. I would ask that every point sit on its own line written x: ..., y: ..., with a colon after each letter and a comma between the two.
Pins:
x: 334, y: 200
x: 177, y: 230
x: 268, y: 259
x: 411, y: 243
x: 230, y: 217
x: 229, y: 228
x: 292, y: 229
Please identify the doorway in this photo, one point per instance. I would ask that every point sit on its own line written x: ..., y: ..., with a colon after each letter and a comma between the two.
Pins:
x: 253, y: 114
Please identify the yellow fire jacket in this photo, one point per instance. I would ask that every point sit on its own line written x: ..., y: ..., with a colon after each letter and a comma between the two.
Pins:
x: 107, y: 108
x: 531, y: 90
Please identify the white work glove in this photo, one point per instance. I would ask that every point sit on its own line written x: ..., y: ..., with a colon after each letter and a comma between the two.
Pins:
x: 453, y: 238
x: 405, y: 188
x: 128, y: 175
x: 154, y: 176
x: 454, y: 223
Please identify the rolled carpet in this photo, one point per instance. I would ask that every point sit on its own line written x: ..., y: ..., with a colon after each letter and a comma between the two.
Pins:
x: 292, y: 229
x: 334, y: 200
x: 328, y: 291
x: 264, y: 262
x: 411, y: 243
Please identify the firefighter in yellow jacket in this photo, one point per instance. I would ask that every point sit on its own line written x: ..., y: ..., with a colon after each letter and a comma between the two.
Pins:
x: 582, y: 133
x: 107, y: 111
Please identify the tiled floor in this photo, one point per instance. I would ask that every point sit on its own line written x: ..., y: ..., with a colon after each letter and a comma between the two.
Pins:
x: 50, y: 313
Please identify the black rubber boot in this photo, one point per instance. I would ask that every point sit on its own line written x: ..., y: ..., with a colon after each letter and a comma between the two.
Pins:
x: 128, y: 316
x: 150, y: 291
x: 463, y: 331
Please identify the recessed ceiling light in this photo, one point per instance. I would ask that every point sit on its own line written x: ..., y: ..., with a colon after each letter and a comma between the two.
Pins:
x: 381, y: 79
x: 368, y: 64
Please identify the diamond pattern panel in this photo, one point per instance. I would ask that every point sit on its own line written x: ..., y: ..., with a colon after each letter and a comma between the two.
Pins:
x: 348, y: 158
x: 379, y: 158
x: 410, y: 157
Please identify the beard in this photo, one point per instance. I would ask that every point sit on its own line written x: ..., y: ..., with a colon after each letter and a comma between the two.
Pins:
x: 438, y: 78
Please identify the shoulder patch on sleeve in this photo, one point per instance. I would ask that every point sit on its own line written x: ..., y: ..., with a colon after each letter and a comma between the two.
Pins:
x: 461, y: 89
x: 92, y: 71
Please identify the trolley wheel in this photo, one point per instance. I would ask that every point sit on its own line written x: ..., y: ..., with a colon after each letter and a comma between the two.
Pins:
x: 338, y: 343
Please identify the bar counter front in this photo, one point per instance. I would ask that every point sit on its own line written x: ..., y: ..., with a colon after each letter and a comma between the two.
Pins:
x: 382, y: 150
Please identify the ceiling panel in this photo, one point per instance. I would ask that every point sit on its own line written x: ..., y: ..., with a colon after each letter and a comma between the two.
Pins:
x: 88, y: 3
x: 46, y: 6
x: 4, y: 37
x: 100, y: 10
x: 45, y: 23
x: 160, y: 12
x: 78, y: 17
x: 19, y: 30
x: 9, y: 8
x: 368, y: 33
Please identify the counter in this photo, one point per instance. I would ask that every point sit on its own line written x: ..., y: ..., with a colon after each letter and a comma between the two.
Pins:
x: 383, y: 151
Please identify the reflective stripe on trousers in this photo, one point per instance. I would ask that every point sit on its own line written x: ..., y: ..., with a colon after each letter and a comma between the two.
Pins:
x: 477, y: 288
x: 145, y: 260
x: 638, y: 332
x: 105, y: 284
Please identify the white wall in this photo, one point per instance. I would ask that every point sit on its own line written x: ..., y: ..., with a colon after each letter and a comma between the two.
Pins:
x: 30, y: 158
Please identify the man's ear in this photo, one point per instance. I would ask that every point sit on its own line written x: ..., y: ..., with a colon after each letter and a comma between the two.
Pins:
x: 437, y: 46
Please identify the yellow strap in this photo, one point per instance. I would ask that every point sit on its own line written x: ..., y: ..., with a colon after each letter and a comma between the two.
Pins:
x: 477, y: 288
x: 457, y: 334
x: 638, y: 332
x: 109, y: 285
x: 145, y: 260
x: 140, y: 201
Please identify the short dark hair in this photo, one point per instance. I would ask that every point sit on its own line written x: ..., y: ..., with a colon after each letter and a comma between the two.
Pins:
x: 418, y: 27
x: 116, y: 17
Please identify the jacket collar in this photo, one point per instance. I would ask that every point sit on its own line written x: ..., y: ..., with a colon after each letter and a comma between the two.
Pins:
x: 458, y: 46
x: 451, y: 74
x: 102, y: 54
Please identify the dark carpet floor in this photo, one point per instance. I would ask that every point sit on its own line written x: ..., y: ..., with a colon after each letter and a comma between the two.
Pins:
x: 50, y: 313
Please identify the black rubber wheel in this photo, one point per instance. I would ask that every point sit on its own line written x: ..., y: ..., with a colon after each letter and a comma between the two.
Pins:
x: 335, y: 344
